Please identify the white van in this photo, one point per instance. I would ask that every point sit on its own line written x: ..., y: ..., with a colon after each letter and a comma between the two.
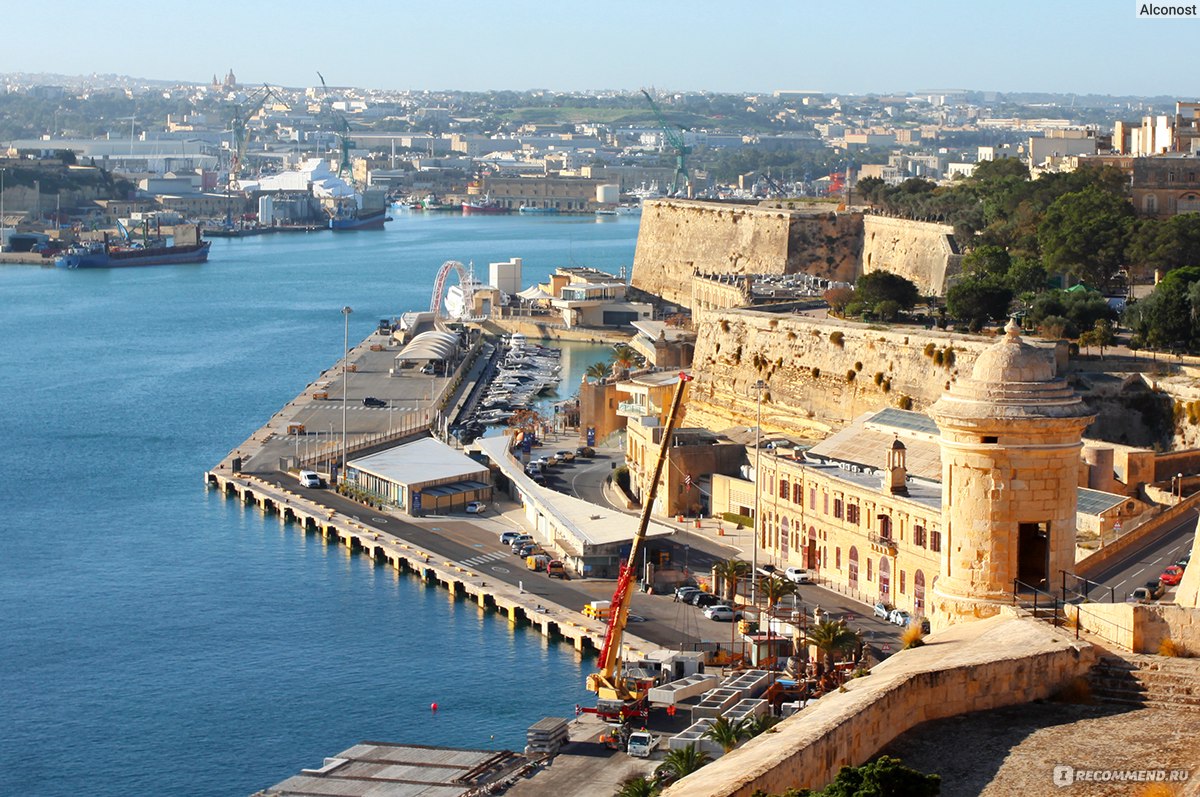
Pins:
x: 310, y: 478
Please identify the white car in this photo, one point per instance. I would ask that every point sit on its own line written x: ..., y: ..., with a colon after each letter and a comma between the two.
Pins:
x: 722, y: 612
x: 798, y: 575
x: 476, y: 507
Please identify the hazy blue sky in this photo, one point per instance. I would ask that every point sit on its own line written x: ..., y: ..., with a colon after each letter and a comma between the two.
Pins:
x: 752, y: 45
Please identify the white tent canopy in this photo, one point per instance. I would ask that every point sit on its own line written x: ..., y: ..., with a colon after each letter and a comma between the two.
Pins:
x: 534, y: 294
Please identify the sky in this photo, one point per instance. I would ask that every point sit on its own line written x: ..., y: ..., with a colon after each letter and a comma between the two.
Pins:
x: 841, y: 46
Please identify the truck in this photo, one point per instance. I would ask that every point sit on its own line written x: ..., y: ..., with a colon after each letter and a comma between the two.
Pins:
x: 556, y: 569
x: 641, y: 744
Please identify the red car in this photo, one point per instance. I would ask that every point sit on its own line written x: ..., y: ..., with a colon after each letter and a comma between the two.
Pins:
x: 1171, y: 575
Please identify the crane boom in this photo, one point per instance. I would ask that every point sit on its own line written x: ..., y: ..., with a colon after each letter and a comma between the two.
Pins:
x: 607, y: 683
x: 682, y: 150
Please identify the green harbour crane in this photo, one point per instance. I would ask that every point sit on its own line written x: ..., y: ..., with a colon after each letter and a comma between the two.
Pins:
x: 242, y: 113
x: 343, y: 133
x: 680, y: 182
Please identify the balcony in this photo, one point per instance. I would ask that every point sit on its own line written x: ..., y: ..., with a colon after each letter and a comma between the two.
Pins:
x: 882, y: 544
x: 635, y: 409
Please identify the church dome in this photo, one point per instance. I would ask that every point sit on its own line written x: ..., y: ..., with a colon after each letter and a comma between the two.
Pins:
x: 1013, y: 360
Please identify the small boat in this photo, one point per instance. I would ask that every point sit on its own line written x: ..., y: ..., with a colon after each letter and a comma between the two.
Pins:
x: 484, y: 206
x: 606, y: 212
x: 529, y: 210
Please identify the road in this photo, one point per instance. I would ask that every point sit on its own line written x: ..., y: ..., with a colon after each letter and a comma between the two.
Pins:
x: 1147, y: 563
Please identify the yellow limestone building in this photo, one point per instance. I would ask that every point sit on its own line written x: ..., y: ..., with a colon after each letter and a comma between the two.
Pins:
x: 945, y: 526
x: 1011, y: 442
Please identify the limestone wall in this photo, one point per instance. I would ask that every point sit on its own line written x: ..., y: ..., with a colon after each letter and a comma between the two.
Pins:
x: 918, y: 250
x: 1139, y: 628
x: 806, y: 362
x: 679, y: 238
x: 973, y: 667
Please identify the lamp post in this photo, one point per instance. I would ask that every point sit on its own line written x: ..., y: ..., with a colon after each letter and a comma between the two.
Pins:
x: 759, y: 386
x: 346, y: 311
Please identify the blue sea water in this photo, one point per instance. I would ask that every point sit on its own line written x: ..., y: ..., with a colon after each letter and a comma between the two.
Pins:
x: 157, y: 638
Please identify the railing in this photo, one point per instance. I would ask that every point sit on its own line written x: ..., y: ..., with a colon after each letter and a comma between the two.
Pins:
x: 882, y: 541
x: 1048, y: 602
x: 1086, y: 584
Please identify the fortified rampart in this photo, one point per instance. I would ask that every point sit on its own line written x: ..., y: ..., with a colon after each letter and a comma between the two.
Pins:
x: 920, y: 251
x: 679, y: 238
x: 820, y: 373
x: 721, y: 242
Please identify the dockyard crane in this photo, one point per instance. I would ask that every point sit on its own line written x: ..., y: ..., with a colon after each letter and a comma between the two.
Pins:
x: 680, y: 182
x: 343, y: 133
x: 619, y: 697
x: 242, y: 113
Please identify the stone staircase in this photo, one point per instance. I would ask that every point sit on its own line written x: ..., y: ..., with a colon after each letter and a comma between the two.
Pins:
x: 1146, y: 681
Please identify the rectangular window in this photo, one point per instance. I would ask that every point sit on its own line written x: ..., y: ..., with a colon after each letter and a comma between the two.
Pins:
x: 798, y: 494
x: 919, y: 536
x: 783, y: 489
x: 837, y: 552
x: 825, y: 501
x: 935, y: 541
x: 852, y: 514
x: 901, y: 582
x: 837, y: 508
x: 812, y: 497
x: 766, y: 483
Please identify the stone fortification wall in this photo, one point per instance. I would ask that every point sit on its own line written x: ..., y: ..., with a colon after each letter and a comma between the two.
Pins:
x: 921, y: 251
x: 973, y: 667
x: 679, y: 238
x: 807, y: 364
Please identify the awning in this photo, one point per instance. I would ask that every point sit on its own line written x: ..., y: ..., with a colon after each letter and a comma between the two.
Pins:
x: 534, y: 294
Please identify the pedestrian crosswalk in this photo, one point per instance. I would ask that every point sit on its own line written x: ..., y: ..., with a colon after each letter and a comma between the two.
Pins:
x: 483, y: 559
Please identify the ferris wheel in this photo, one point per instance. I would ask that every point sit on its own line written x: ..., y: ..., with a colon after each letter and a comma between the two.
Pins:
x: 456, y: 302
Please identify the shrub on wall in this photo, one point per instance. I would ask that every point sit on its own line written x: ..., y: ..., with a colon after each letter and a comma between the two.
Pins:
x: 850, y: 375
x: 837, y: 338
x: 905, y: 403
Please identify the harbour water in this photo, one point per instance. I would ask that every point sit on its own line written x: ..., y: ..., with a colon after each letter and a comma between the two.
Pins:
x: 156, y: 638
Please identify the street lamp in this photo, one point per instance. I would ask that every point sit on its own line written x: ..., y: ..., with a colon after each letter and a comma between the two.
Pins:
x: 346, y: 311
x: 759, y: 386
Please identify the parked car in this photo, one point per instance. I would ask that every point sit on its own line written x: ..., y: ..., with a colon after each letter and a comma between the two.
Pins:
x: 798, y: 575
x: 722, y: 613
x: 1183, y: 560
x: 899, y: 617
x: 565, y: 456
x: 552, y: 459
x: 476, y: 507
x: 542, y: 462
x: 556, y: 569
x: 706, y: 599
x: 682, y: 593
x: 371, y: 401
x: 1171, y: 576
x: 509, y: 537
x: 882, y: 610
x: 587, y: 452
x: 520, y: 540
x: 694, y: 597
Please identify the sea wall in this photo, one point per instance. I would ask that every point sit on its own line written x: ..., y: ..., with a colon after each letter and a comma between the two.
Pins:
x: 679, y: 238
x: 820, y: 372
x: 921, y: 251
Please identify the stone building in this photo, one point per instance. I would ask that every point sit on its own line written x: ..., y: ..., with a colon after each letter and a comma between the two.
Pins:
x: 939, y: 515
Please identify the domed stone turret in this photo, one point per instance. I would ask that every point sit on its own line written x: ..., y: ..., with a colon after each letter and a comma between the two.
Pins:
x: 1011, y: 436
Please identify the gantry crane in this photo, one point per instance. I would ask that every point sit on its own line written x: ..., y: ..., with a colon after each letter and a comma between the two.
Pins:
x: 242, y: 113
x: 343, y: 133
x: 619, y: 697
x: 680, y: 182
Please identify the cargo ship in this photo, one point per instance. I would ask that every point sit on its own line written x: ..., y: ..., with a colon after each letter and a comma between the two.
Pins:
x: 367, y: 211
x: 188, y: 248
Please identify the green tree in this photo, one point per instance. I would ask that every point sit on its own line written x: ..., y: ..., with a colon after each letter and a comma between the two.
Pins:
x: 1164, y: 244
x: 1167, y: 317
x: 832, y: 638
x: 880, y: 286
x: 597, y: 371
x: 883, y: 777
x: 1026, y: 275
x: 638, y: 787
x: 838, y: 298
x: 1084, y: 234
x: 775, y: 588
x: 987, y: 261
x: 727, y: 733
x: 681, y: 762
x: 978, y: 299
x: 730, y: 571
x: 625, y: 357
x: 762, y: 723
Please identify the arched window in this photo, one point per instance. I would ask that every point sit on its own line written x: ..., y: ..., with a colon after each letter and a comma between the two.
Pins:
x: 919, y: 592
x: 852, y: 571
x: 885, y: 580
x: 785, y: 531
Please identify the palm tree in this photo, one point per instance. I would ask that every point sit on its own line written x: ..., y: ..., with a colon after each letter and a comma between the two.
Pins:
x: 832, y: 637
x: 775, y: 588
x: 727, y: 733
x: 730, y: 571
x: 762, y: 723
x: 638, y: 787
x: 597, y: 371
x: 624, y: 357
x: 681, y: 762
